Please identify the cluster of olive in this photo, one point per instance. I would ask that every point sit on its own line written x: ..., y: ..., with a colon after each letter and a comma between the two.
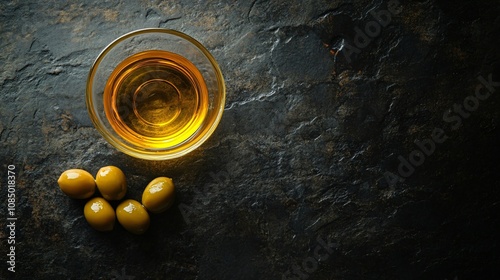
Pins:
x: 112, y: 185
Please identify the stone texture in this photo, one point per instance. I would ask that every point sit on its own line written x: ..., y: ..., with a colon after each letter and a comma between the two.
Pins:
x: 302, y: 154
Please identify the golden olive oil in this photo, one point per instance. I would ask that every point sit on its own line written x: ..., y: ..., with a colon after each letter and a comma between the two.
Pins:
x: 155, y: 99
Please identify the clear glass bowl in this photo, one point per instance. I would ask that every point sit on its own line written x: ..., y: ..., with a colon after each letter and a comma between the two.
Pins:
x: 135, y: 43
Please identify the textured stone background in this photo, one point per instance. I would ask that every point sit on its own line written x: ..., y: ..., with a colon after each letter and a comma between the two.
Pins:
x: 300, y: 155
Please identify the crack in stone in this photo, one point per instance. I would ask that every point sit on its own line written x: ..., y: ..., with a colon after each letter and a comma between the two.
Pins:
x: 260, y: 97
x: 392, y: 47
x: 163, y: 22
x: 324, y: 14
x: 250, y: 10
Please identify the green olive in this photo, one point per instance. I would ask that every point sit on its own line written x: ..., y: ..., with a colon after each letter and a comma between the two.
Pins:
x: 111, y: 183
x: 133, y: 216
x: 77, y: 183
x: 99, y: 214
x: 159, y: 195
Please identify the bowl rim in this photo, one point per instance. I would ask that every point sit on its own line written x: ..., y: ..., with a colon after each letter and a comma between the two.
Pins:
x: 152, y: 154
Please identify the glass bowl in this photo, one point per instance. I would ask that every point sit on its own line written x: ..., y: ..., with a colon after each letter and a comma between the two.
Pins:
x: 155, y: 94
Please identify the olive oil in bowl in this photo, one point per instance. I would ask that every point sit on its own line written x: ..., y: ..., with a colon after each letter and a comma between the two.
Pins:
x: 155, y: 99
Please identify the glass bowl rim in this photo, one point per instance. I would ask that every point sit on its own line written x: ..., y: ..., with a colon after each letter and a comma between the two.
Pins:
x: 154, y: 154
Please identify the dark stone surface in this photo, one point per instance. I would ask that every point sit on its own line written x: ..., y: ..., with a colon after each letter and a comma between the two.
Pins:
x: 300, y: 158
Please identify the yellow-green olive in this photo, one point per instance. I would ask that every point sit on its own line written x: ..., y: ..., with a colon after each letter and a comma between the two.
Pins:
x: 99, y: 214
x: 133, y: 216
x: 77, y: 183
x: 159, y: 195
x: 111, y: 183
